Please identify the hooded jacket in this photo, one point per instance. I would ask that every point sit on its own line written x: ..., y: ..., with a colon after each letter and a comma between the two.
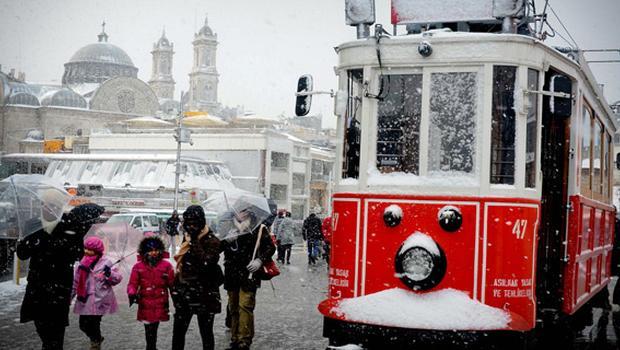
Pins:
x: 151, y: 283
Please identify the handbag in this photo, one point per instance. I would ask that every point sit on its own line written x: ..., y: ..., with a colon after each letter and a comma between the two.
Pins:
x: 269, y: 269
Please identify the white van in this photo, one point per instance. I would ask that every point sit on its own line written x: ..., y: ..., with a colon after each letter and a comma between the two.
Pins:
x: 145, y: 222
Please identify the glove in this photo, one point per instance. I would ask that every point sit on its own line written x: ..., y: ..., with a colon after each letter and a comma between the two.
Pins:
x: 133, y: 299
x: 107, y: 271
x: 254, y: 265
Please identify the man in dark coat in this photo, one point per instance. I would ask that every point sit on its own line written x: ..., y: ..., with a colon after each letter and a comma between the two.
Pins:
x: 172, y: 224
x: 312, y: 234
x: 52, y: 252
x: 197, y: 280
x: 239, y: 279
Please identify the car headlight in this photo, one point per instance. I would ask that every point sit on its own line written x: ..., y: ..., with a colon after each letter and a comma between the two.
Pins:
x: 420, y: 262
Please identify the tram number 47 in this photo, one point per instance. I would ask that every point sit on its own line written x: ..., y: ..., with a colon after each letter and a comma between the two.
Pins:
x: 519, y: 228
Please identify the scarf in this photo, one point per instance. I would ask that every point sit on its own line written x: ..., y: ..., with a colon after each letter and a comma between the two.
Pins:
x: 185, y: 248
x: 86, y: 265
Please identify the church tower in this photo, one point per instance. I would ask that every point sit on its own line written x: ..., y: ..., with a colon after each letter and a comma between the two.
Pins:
x: 203, y: 79
x: 161, y: 81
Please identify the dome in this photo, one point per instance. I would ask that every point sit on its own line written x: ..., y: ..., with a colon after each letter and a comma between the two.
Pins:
x: 102, y: 52
x: 23, y: 98
x: 63, y: 98
x: 205, y: 30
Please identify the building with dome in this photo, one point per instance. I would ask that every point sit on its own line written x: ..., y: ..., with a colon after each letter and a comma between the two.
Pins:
x: 95, y: 63
x: 99, y: 90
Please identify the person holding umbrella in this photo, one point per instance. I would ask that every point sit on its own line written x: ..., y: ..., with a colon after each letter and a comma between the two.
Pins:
x: 52, y: 251
x: 240, y: 263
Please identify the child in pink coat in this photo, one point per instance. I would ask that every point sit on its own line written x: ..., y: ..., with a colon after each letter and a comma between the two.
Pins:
x: 92, y: 286
x: 149, y: 285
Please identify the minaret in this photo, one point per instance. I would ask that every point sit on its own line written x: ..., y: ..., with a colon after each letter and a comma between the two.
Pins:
x: 161, y: 81
x: 203, y: 79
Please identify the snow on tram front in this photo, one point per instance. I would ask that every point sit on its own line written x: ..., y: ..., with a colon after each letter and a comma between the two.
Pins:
x: 473, y: 197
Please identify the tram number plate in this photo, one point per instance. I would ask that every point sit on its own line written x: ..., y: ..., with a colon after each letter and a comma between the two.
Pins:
x: 519, y: 228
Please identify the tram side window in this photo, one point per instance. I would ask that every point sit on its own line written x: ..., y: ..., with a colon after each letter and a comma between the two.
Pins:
x: 596, y: 161
x: 398, y: 124
x: 607, y: 145
x: 452, y: 129
x: 352, y: 131
x: 586, y: 128
x: 503, y: 126
x: 531, y: 130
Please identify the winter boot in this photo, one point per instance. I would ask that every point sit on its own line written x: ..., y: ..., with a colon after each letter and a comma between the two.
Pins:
x: 96, y: 345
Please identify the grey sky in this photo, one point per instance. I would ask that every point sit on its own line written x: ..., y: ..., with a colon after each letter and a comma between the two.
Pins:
x: 263, y: 45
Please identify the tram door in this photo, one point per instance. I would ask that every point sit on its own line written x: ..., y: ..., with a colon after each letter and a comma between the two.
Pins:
x: 555, y: 163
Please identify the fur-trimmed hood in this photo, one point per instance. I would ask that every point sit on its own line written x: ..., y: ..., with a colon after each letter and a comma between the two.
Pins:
x: 147, y: 243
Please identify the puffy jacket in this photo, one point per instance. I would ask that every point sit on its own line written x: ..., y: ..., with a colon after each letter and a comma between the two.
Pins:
x: 101, y: 299
x: 151, y: 284
x: 199, y: 276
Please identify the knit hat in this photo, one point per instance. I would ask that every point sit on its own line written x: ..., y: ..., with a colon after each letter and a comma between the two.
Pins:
x: 149, y: 243
x: 95, y: 244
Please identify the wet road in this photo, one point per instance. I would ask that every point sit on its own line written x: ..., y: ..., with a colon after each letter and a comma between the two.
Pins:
x: 286, y: 318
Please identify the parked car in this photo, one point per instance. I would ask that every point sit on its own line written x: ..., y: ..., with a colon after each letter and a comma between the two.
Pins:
x: 145, y: 222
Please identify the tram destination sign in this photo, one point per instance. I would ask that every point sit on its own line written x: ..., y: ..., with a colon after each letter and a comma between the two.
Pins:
x: 449, y: 11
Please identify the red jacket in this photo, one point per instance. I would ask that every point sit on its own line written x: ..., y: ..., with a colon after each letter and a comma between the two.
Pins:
x: 152, y: 285
x: 326, y: 228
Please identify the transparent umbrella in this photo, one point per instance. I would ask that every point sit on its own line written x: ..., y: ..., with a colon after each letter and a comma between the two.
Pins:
x: 121, y: 242
x: 238, y: 212
x: 29, y: 203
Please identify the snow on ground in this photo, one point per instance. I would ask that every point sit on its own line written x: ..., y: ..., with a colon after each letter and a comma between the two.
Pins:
x: 10, y: 295
x: 444, y: 310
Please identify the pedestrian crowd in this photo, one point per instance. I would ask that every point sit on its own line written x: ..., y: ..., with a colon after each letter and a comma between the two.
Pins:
x: 192, y: 282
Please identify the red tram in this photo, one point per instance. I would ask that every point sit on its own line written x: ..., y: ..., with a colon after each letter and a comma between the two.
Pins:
x: 474, y: 178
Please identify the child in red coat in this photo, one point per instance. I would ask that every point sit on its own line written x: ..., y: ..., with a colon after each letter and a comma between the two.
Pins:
x: 149, y: 285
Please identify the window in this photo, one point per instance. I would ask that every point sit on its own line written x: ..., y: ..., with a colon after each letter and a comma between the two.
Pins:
x: 352, y: 132
x: 279, y: 161
x: 137, y: 222
x: 452, y: 126
x: 597, y: 182
x: 299, y: 184
x: 398, y: 124
x: 154, y: 221
x: 607, y: 145
x: 531, y: 130
x: 278, y: 192
x: 586, y: 129
x: 503, y: 126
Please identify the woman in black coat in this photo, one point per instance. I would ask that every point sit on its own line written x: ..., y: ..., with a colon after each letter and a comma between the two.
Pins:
x: 197, y: 281
x: 50, y: 273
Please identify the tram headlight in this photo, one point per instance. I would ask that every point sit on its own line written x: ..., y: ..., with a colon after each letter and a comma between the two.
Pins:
x: 450, y: 218
x: 417, y: 264
x: 420, y: 262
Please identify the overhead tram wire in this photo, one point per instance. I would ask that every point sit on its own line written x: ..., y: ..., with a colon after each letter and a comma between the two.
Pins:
x: 563, y: 26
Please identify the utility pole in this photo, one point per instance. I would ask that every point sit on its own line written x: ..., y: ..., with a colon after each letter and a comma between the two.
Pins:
x: 182, y: 136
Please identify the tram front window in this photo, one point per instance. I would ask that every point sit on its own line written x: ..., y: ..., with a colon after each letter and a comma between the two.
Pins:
x: 452, y: 127
x: 398, y: 128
